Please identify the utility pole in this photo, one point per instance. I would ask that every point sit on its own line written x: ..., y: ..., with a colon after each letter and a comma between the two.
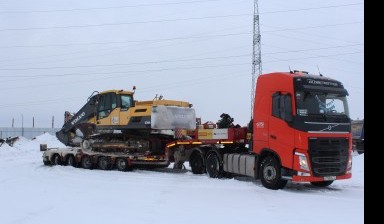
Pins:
x: 256, y: 54
x: 22, y: 125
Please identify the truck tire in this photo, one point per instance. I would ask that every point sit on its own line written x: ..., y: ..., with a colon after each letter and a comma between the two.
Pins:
x: 86, y: 162
x: 71, y: 161
x: 270, y: 173
x: 322, y: 183
x: 56, y: 159
x: 122, y: 164
x: 104, y: 163
x: 214, y: 168
x: 196, y: 162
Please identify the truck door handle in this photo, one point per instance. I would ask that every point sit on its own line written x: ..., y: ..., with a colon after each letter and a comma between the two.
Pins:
x: 273, y: 136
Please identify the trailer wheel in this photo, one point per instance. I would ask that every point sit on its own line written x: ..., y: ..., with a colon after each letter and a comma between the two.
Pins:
x: 270, y: 174
x: 71, y: 161
x: 214, y: 169
x: 104, y: 163
x: 196, y: 162
x: 86, y: 162
x: 56, y: 159
x: 322, y: 183
x: 122, y: 164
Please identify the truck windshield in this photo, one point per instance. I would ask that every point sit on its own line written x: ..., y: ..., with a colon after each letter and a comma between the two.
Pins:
x: 315, y: 103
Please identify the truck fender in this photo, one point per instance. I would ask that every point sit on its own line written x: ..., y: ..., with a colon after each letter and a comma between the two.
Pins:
x: 264, y: 153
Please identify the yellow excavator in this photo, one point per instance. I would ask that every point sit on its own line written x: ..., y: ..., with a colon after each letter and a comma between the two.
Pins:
x: 113, y: 121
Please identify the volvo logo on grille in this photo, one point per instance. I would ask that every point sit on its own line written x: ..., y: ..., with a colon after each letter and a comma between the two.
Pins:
x: 330, y: 127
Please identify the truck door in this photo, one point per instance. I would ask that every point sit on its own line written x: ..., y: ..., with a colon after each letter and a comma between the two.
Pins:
x: 281, y: 135
x: 107, y: 113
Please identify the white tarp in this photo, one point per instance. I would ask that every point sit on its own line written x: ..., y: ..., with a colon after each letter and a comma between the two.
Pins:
x: 171, y: 117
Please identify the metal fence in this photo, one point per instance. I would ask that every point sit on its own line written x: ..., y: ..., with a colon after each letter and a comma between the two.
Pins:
x: 26, y: 132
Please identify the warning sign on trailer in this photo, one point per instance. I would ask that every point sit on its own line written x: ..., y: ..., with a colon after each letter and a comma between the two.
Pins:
x: 206, y: 134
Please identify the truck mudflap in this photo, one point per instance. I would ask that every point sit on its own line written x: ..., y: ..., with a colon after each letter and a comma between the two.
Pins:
x: 298, y: 178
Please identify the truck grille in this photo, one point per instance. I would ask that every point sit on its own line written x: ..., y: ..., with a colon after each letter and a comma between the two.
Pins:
x: 328, y: 156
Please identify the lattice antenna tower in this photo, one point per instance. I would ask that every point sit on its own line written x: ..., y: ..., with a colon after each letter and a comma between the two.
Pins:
x: 256, y: 54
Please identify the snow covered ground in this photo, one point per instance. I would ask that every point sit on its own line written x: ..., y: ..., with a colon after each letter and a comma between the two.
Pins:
x: 33, y: 193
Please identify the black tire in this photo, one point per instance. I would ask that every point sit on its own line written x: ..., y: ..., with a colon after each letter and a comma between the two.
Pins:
x: 104, y: 163
x: 322, y: 183
x: 86, y: 145
x: 214, y: 167
x: 86, y: 162
x: 179, y: 165
x: 196, y: 162
x: 56, y: 159
x: 122, y: 164
x: 71, y: 161
x: 270, y: 173
x: 46, y: 163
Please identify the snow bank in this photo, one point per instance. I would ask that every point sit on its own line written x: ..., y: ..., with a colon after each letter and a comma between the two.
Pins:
x: 28, y: 150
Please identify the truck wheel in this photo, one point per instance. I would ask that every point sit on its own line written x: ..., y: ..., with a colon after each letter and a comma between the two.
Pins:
x: 56, y: 159
x: 322, y: 183
x: 121, y: 164
x: 71, y: 161
x: 86, y: 145
x: 196, y: 162
x: 104, y: 163
x: 270, y: 174
x: 86, y: 162
x: 214, y: 168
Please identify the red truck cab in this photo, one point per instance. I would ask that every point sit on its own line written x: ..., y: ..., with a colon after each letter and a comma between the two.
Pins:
x: 301, y: 123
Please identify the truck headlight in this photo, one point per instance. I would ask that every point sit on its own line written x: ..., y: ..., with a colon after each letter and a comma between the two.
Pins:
x: 349, y: 165
x: 303, y: 162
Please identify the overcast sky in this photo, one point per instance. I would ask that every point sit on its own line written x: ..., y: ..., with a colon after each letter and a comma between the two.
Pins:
x: 55, y: 53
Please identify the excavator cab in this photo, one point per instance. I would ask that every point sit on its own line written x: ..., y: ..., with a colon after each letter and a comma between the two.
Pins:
x: 111, y: 106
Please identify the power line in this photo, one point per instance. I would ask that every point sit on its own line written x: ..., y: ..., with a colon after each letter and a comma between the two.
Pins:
x: 145, y: 89
x: 110, y: 7
x: 165, y: 69
x: 313, y: 49
x: 318, y: 56
x: 171, y: 60
x: 147, y: 71
x: 313, y: 27
x: 158, y: 21
x: 312, y: 8
x: 176, y: 38
x: 123, y: 64
x: 127, y: 41
x: 110, y: 48
x: 171, y: 3
x: 126, y: 23
x: 170, y: 39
